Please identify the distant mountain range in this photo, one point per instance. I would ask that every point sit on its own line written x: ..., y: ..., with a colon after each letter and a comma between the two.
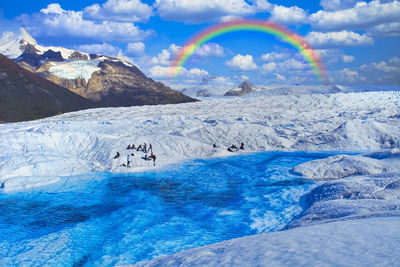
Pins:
x: 107, y: 81
x: 27, y: 96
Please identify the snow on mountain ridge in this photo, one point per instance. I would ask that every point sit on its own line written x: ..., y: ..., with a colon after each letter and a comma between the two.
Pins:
x: 75, y: 69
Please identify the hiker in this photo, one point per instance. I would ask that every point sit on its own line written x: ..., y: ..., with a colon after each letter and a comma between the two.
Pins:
x: 128, y: 160
x: 116, y: 156
x: 145, y: 148
x: 214, y: 145
x: 150, y: 148
x: 154, y: 158
x: 129, y: 146
x: 242, y: 146
x: 234, y: 147
x: 133, y: 146
x: 230, y: 149
x: 139, y: 148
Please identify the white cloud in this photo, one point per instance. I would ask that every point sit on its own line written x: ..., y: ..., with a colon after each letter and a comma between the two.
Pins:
x: 270, y: 66
x: 119, y: 10
x: 273, y: 56
x: 375, y: 73
x: 54, y: 21
x: 280, y: 77
x: 244, y: 77
x: 163, y: 72
x: 337, y: 4
x: 287, y: 15
x: 284, y: 66
x: 333, y: 55
x: 347, y: 59
x: 53, y: 9
x: 207, y: 10
x: 162, y: 58
x: 385, y: 29
x: 337, y: 39
x: 104, y: 49
x: 210, y: 50
x: 349, y: 76
x: 166, y: 55
x: 363, y: 15
x: 135, y: 49
x: 241, y: 62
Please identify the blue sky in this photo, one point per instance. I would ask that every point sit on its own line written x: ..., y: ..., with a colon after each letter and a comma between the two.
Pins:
x: 358, y: 41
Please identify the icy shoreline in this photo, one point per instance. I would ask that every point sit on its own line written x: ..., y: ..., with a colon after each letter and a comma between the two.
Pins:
x: 86, y: 141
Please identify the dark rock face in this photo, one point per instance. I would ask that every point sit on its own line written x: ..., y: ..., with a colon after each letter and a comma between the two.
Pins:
x: 244, y: 88
x: 27, y: 96
x: 78, y: 56
x: 31, y: 56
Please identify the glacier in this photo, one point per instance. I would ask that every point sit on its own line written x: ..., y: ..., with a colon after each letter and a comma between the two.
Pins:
x: 357, y: 203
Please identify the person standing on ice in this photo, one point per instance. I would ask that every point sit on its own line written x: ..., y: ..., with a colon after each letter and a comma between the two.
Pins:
x: 154, y: 158
x: 145, y: 148
x: 128, y: 160
x: 150, y: 148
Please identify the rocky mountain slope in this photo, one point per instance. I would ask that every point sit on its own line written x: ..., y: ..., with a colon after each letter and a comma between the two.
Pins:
x: 27, y: 96
x: 106, y: 80
x: 244, y: 88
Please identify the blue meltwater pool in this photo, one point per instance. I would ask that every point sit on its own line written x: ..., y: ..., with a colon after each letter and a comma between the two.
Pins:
x: 106, y: 219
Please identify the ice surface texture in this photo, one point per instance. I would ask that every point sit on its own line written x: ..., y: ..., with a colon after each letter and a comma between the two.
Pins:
x: 107, y: 219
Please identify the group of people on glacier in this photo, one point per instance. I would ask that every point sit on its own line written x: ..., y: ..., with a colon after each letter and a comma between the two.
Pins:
x: 141, y: 148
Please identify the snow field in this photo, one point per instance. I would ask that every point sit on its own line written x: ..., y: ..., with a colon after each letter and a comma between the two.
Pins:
x: 365, y: 242
x: 86, y: 141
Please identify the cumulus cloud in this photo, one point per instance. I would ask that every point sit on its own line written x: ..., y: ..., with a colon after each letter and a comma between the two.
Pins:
x: 119, y: 10
x: 208, y: 10
x: 166, y: 55
x: 104, y: 49
x: 53, y: 9
x: 55, y: 21
x: 334, y: 55
x: 375, y: 73
x: 285, y: 66
x: 349, y: 76
x: 347, y: 59
x: 385, y: 29
x: 210, y: 50
x: 338, y: 39
x: 135, y: 49
x: 363, y: 15
x: 242, y: 62
x: 273, y: 56
x: 270, y: 66
x: 337, y: 4
x: 163, y: 72
x: 280, y: 77
x: 287, y: 15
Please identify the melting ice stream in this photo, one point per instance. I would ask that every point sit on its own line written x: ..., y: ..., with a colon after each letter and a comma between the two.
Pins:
x: 107, y: 219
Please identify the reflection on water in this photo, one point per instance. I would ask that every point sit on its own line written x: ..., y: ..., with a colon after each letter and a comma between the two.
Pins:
x: 119, y: 219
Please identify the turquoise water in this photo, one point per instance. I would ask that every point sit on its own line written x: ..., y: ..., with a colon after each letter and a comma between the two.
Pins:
x: 107, y: 219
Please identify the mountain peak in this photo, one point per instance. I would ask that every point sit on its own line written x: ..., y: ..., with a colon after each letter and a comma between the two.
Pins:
x: 26, y: 36
x: 244, y: 88
x: 246, y: 85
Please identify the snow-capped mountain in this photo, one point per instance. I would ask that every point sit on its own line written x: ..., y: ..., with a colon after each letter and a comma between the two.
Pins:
x: 244, y: 88
x: 26, y: 96
x: 107, y: 80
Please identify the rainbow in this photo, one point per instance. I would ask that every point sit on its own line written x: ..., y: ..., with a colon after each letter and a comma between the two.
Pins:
x: 249, y: 25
